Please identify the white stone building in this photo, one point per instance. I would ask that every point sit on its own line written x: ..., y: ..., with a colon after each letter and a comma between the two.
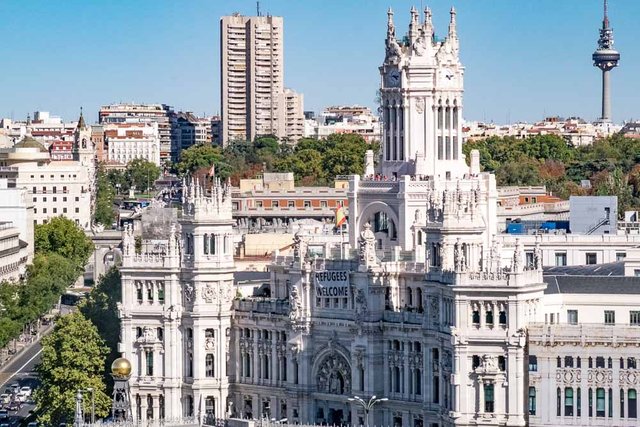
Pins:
x: 128, y: 141
x: 425, y: 306
x: 57, y: 188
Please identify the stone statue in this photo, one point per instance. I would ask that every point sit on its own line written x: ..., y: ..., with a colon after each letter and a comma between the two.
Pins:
x: 299, y: 245
x: 517, y: 257
x: 537, y: 256
x: 459, y: 260
x: 296, y: 304
x: 367, y: 246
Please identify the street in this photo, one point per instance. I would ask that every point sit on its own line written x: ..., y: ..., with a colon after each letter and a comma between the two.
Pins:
x: 21, y: 370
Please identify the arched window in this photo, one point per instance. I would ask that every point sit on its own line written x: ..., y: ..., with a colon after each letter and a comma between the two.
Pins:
x: 475, y: 317
x: 475, y: 361
x: 212, y: 246
x: 489, y: 318
x: 396, y: 379
x: 558, y: 402
x: 419, y: 298
x: 206, y: 244
x: 503, y: 318
x: 621, y: 403
x: 149, y: 407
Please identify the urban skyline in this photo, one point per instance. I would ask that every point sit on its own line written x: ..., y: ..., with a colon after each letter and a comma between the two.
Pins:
x: 111, y: 45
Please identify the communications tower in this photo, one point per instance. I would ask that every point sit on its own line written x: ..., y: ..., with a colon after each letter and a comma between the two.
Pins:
x: 606, y: 59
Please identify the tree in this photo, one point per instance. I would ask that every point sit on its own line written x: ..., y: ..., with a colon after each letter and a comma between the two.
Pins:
x: 198, y: 156
x: 524, y: 172
x: 101, y: 308
x: 105, y: 195
x: 64, y: 237
x: 142, y: 174
x: 73, y: 357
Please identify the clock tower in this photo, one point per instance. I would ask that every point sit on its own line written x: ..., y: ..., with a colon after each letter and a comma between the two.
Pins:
x: 421, y: 101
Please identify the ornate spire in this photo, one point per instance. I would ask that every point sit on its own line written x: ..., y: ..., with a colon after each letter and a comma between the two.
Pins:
x: 413, y: 25
x: 391, y: 29
x: 81, y: 123
x: 428, y: 23
x: 452, y: 24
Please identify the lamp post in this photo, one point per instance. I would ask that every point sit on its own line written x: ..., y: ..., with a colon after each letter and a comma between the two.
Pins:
x: 367, y: 405
x: 79, y: 415
x: 93, y: 405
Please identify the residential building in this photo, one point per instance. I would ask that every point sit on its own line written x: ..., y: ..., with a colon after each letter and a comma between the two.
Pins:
x: 192, y: 130
x: 161, y: 114
x: 44, y: 128
x: 13, y: 253
x: 125, y: 142
x: 64, y: 187
x: 253, y: 99
x: 344, y: 119
x: 16, y: 207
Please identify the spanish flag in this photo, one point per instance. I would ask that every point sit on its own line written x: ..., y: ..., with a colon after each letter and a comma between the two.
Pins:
x: 340, y: 216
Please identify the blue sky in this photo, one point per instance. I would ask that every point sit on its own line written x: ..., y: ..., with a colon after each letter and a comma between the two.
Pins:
x: 523, y: 58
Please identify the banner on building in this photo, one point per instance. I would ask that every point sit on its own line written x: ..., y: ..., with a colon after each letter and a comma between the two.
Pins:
x: 332, y: 284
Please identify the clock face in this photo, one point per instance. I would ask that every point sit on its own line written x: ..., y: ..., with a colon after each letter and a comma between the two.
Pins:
x: 393, y: 78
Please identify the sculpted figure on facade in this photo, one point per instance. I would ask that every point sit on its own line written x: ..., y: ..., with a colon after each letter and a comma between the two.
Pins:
x: 459, y: 260
x: 367, y: 246
x: 296, y: 305
x: 537, y: 256
x: 334, y: 375
x: 299, y: 245
x: 517, y: 257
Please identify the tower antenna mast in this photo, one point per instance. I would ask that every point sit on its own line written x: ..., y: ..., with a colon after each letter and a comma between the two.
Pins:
x: 258, y: 8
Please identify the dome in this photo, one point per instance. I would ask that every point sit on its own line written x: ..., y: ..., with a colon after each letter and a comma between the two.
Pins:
x: 30, y: 142
x: 121, y: 368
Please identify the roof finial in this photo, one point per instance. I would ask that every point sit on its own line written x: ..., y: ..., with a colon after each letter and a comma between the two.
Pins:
x: 391, y: 29
x: 452, y: 23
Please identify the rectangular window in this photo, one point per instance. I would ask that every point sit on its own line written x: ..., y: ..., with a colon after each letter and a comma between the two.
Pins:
x: 291, y: 204
x: 633, y: 404
x: 529, y: 259
x: 533, y: 363
x: 532, y: 400
x: 620, y: 256
x: 591, y: 258
x: 64, y: 210
x: 149, y: 358
x: 634, y: 318
x: 599, y: 402
x: 609, y: 317
x: 323, y: 203
x: 307, y: 203
x: 488, y: 398
x: 572, y: 317
x: 209, y: 369
x: 258, y: 203
x: 77, y: 210
x: 561, y: 259
x: 275, y: 204
x: 568, y: 402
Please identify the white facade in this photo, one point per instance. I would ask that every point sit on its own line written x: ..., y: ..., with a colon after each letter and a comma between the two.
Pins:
x: 13, y: 253
x: 56, y: 188
x: 425, y: 304
x: 126, y: 142
x: 16, y: 207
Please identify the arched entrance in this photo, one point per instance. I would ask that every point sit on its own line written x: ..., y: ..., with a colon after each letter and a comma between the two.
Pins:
x: 333, y: 379
x: 384, y: 224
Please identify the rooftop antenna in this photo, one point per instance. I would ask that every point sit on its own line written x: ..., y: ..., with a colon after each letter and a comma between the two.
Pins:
x: 258, y: 7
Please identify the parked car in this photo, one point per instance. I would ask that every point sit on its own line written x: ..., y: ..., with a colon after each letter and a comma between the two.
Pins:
x: 5, y: 398
x: 15, y: 388
x: 26, y: 390
x: 21, y: 397
x: 15, y: 405
x: 4, y: 414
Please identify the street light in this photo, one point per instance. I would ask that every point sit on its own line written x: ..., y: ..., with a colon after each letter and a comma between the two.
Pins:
x: 93, y: 405
x: 367, y: 405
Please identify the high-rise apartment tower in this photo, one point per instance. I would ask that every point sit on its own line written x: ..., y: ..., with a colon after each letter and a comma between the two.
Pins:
x: 253, y: 98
